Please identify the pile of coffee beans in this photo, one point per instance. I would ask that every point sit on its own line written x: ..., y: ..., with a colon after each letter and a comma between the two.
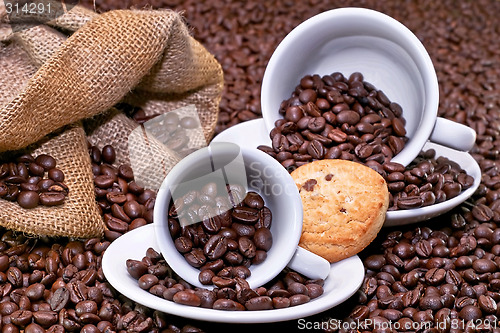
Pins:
x: 123, y: 203
x: 33, y: 181
x: 426, y: 181
x: 444, y: 279
x: 59, y: 287
x: 461, y: 38
x: 337, y: 117
x: 230, y: 294
x: 221, y: 231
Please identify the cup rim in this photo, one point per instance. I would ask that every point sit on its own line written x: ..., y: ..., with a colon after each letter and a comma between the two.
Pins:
x: 428, y: 74
x: 176, y: 260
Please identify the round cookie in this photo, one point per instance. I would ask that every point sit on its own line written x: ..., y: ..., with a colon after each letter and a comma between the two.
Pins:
x: 344, y: 206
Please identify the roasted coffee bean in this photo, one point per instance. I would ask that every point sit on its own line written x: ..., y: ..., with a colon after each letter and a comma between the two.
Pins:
x: 263, y: 239
x: 298, y: 299
x: 45, y: 318
x: 212, y: 225
x: 470, y: 312
x: 196, y: 258
x: 86, y: 307
x: 228, y: 305
x: 245, y: 214
x: 216, y: 247
x: 233, y: 258
x: 205, y: 276
x: 259, y: 258
x: 147, y: 281
x: 254, y: 200
x: 243, y: 229
x: 136, y: 268
x: 133, y: 209
x: 15, y: 276
x: 35, y: 291
x: 183, y: 244
x: 247, y: 247
x: 28, y: 199
x: 259, y: 303
x: 21, y: 317
x: 484, y: 266
x: 265, y: 218
x: 45, y: 161
x: 108, y: 154
x: 115, y: 224
x: 316, y: 149
x: 56, y: 175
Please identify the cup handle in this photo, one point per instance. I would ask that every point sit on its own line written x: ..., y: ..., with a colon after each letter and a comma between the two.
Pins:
x: 309, y: 264
x: 452, y: 134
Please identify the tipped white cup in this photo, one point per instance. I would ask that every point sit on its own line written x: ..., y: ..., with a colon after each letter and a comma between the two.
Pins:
x: 265, y: 176
x: 388, y: 55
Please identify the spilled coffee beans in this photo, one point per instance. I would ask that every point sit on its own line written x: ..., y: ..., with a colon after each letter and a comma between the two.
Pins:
x: 231, y: 293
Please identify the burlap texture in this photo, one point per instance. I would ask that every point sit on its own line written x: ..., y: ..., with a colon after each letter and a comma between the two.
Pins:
x: 79, y: 215
x: 146, y: 58
x: 78, y: 66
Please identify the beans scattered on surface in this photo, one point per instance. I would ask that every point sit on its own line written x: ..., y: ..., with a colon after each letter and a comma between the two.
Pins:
x: 426, y: 181
x: 231, y: 292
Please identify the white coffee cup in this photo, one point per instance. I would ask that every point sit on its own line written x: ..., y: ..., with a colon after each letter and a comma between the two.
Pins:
x: 228, y: 163
x: 388, y: 55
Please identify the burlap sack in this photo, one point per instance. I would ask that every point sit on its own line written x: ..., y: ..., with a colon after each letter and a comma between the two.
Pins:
x: 146, y: 58
x: 79, y: 65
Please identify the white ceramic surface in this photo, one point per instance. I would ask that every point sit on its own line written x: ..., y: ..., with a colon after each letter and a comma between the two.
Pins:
x: 388, y: 55
x: 264, y: 175
x: 256, y: 129
x: 343, y: 281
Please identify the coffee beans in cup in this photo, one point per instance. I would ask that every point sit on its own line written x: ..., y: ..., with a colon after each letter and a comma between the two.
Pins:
x: 31, y: 181
x: 219, y: 234
x: 337, y: 117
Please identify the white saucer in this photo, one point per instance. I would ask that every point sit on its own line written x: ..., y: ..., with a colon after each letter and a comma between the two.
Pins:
x: 344, y: 280
x: 253, y: 133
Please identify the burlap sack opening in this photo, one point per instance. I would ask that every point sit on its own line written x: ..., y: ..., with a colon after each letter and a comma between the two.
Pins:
x: 79, y: 215
x: 49, y: 80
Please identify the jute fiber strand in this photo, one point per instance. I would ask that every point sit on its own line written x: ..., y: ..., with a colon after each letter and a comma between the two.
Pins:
x: 78, y: 216
x: 144, y: 57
